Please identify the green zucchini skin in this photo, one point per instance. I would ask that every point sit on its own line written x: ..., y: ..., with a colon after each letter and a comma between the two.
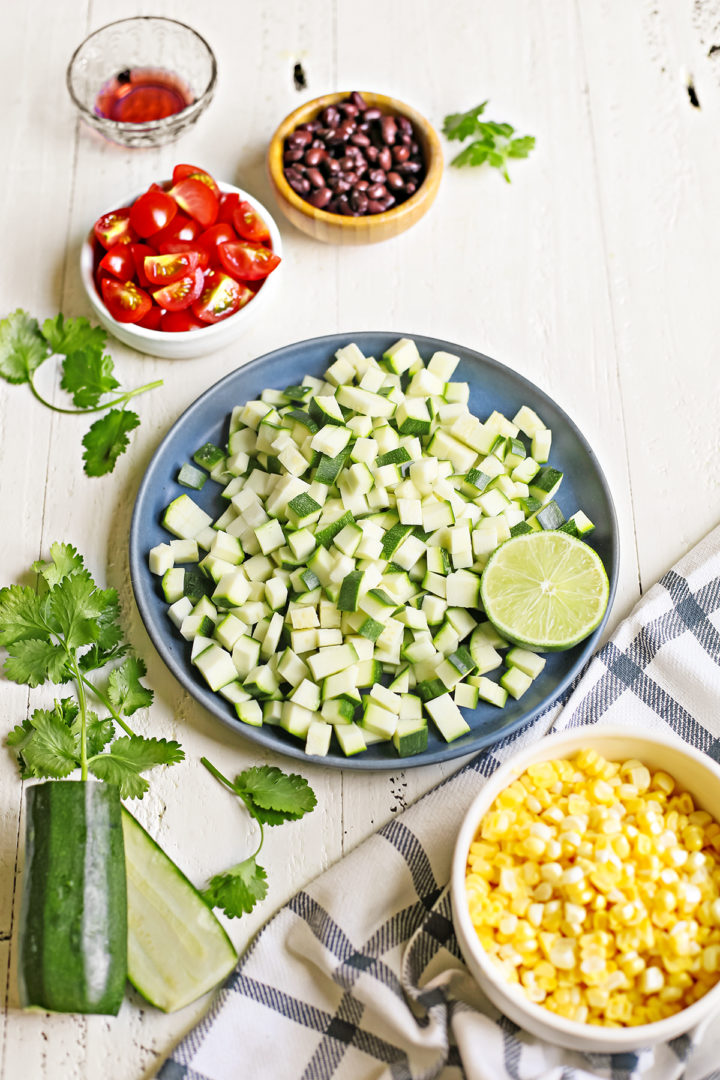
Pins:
x: 73, y: 916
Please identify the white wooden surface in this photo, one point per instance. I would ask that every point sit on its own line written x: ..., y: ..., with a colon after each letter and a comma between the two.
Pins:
x: 595, y: 274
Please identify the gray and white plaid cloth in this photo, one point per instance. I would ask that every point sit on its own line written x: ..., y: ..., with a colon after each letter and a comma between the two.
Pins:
x: 359, y: 976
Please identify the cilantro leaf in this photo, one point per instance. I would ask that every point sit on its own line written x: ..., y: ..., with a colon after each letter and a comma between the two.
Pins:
x: 492, y: 144
x: 22, y: 347
x: 128, y: 757
x: 52, y: 750
x: 33, y: 661
x: 463, y: 125
x: 275, y: 796
x: 75, y: 605
x: 65, y: 336
x: 87, y: 376
x: 107, y: 439
x: 521, y: 147
x: 22, y: 615
x: 474, y: 154
x: 238, y: 890
x: 125, y: 690
x: 65, y: 561
x: 99, y: 733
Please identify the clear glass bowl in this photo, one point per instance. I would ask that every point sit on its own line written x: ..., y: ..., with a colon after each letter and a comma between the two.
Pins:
x: 144, y: 43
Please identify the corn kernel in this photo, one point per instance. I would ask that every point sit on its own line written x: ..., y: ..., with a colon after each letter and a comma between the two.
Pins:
x: 595, y: 886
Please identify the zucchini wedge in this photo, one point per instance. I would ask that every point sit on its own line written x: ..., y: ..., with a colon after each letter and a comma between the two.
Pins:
x: 177, y: 949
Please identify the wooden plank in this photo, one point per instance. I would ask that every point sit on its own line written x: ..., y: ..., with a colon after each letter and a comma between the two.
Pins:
x: 657, y: 162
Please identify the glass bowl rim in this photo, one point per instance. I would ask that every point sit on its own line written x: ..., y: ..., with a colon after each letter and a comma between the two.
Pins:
x: 146, y: 126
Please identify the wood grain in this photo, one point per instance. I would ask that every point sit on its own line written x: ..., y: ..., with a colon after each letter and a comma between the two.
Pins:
x: 594, y: 274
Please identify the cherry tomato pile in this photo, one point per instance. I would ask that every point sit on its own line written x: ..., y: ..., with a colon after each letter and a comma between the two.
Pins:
x: 182, y: 256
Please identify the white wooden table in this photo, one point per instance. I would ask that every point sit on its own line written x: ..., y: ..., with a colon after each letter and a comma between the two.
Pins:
x: 595, y: 274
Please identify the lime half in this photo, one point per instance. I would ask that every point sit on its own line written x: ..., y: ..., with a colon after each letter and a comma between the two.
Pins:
x: 545, y: 590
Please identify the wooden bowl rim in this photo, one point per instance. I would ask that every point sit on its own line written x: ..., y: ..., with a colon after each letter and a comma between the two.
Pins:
x: 425, y: 193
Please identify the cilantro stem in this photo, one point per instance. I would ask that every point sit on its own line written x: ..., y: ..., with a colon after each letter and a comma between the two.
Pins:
x: 108, y: 705
x: 82, y: 701
x: 122, y: 400
x: 229, y: 784
x: 218, y: 775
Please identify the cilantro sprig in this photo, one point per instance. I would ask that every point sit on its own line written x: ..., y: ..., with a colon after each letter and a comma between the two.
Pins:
x: 61, y: 632
x: 271, y: 797
x: 492, y: 143
x: 87, y: 375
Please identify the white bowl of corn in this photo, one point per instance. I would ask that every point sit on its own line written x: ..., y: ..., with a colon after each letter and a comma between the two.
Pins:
x: 586, y: 889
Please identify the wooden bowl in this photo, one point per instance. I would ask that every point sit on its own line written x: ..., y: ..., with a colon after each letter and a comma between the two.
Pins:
x: 370, y: 228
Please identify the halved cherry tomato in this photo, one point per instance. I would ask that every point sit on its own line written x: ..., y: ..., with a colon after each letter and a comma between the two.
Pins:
x: 247, y: 262
x: 248, y: 224
x: 152, y: 212
x: 139, y: 251
x: 152, y: 320
x: 180, y: 172
x: 118, y: 261
x: 173, y: 247
x: 219, y: 233
x: 196, y: 199
x: 125, y: 301
x: 228, y: 205
x: 175, y: 322
x: 181, y: 293
x: 164, y: 269
x: 114, y: 228
x: 221, y: 296
x: 181, y: 227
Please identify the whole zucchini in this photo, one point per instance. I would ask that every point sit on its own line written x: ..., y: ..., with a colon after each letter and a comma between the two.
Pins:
x: 73, y: 917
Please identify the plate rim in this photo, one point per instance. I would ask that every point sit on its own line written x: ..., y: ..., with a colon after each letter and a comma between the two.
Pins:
x: 362, y: 762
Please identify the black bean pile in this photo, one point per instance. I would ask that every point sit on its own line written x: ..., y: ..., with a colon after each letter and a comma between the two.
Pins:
x: 354, y: 159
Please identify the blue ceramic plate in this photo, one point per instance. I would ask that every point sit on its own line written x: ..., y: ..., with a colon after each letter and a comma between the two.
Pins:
x: 492, y: 386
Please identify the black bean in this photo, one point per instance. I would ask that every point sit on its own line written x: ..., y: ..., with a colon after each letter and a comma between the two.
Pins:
x: 309, y: 125
x: 404, y: 139
x: 377, y: 176
x: 341, y: 185
x: 410, y: 187
x: 320, y: 198
x: 386, y: 202
x: 388, y: 127
x: 359, y: 139
x: 299, y: 138
x: 371, y: 153
x: 347, y: 162
x: 319, y: 144
x: 331, y: 166
x: 315, y: 155
x: 377, y: 191
x: 359, y: 201
x: 361, y: 185
x: 316, y: 178
x: 374, y: 206
x: 351, y: 177
x: 395, y: 181
x: 404, y: 125
x: 358, y: 101
x: 299, y: 184
x: 346, y: 129
x: 291, y: 156
x: 409, y: 168
x: 400, y: 153
x: 385, y: 158
x: 330, y: 116
x: 348, y: 109
x: 414, y: 148
x: 373, y: 113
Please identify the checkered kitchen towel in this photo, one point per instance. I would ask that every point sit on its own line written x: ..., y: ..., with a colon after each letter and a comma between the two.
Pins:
x: 359, y: 976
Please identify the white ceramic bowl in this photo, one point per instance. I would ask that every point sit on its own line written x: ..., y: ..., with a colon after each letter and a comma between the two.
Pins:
x: 694, y: 772
x: 190, y: 343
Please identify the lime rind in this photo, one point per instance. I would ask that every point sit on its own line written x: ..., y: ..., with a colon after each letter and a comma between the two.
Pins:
x: 545, y: 590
